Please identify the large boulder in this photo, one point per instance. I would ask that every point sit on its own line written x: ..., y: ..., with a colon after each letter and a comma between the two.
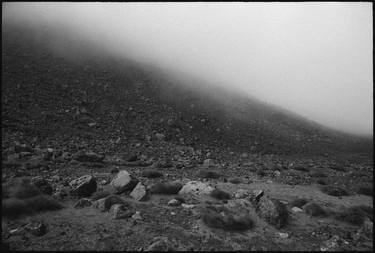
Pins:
x: 83, y: 186
x: 273, y: 211
x: 139, y: 193
x: 123, y: 182
x: 196, y: 188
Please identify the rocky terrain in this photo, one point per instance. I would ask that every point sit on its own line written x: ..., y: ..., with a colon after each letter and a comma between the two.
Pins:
x: 102, y: 153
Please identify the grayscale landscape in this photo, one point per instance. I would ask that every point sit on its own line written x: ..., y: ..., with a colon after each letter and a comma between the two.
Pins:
x: 187, y: 126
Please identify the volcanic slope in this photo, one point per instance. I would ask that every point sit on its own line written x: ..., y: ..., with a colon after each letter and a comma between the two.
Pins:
x: 77, y: 124
x: 50, y: 92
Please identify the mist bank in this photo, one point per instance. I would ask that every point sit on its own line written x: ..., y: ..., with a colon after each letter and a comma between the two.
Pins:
x: 302, y: 67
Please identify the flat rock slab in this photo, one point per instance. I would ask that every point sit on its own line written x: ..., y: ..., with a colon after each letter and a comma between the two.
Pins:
x: 139, y: 193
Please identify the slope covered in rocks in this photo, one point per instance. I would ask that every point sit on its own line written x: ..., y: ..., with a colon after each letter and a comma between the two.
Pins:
x: 111, y: 99
x: 101, y: 153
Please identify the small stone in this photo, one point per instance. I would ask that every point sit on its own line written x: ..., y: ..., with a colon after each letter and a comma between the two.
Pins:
x: 65, y: 156
x: 137, y: 216
x: 331, y: 245
x: 106, y: 203
x: 367, y: 228
x: 83, y: 186
x: 100, y: 204
x: 244, y: 155
x: 139, y: 193
x: 48, y: 154
x: 43, y: 186
x: 173, y: 213
x: 18, y: 148
x: 160, y: 136
x: 133, y: 158
x: 241, y: 193
x: 258, y: 194
x: 55, y: 178
x: 82, y: 156
x: 17, y: 231
x: 187, y: 206
x: 174, y: 202
x: 60, y: 194
x: 119, y: 211
x: 283, y: 235
x: 115, y: 170
x: 297, y: 209
x: 208, y: 163
x: 34, y: 163
x: 36, y: 228
x: 84, y: 202
x: 161, y: 244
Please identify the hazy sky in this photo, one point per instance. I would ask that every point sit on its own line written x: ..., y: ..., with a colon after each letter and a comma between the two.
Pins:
x: 312, y: 58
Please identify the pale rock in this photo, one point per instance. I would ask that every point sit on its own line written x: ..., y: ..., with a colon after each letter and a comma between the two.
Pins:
x: 137, y: 216
x: 283, y: 235
x: 187, y: 206
x: 297, y: 209
x: 174, y: 202
x: 123, y: 182
x: 241, y: 193
x: 139, y: 193
x: 196, y: 188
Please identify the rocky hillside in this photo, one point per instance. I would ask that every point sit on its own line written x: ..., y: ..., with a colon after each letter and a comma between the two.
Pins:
x: 53, y: 94
x: 101, y: 153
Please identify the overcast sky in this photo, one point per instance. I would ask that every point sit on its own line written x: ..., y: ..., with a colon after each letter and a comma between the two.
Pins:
x: 312, y: 58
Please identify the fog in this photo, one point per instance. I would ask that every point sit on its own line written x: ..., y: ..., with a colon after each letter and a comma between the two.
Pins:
x: 314, y: 59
